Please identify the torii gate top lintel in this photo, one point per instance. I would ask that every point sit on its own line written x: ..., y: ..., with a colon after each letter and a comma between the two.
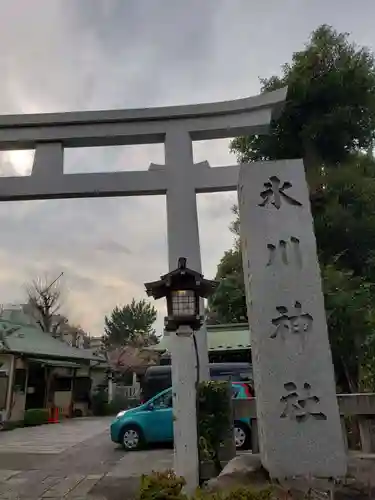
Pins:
x: 141, y: 126
x: 176, y: 127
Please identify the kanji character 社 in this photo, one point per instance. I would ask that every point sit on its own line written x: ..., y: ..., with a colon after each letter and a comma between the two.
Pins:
x: 300, y: 406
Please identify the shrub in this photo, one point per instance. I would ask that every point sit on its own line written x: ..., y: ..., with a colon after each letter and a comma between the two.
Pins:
x: 101, y: 407
x: 37, y: 416
x: 214, y: 419
x: 162, y: 486
x: 100, y: 403
x: 167, y: 486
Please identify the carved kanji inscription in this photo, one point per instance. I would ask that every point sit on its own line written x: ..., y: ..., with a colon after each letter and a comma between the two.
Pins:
x: 286, y: 252
x: 297, y: 322
x: 300, y: 405
x: 274, y: 193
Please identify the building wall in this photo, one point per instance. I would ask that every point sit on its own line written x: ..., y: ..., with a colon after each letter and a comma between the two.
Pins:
x: 83, y: 371
x: 95, y: 342
x: 74, y: 339
x: 98, y: 377
x: 5, y: 364
x: 18, y: 407
x: 19, y: 393
x: 62, y: 400
x: 5, y: 361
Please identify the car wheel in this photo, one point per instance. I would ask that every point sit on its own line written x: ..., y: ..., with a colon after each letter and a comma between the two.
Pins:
x: 242, y: 436
x: 132, y: 438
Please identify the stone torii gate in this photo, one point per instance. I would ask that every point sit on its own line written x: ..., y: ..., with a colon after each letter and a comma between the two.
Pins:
x: 180, y: 179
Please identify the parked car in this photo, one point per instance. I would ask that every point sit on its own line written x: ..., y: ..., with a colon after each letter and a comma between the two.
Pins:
x: 152, y: 422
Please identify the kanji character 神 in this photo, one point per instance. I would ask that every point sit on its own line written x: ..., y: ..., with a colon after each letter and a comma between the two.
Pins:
x: 295, y: 323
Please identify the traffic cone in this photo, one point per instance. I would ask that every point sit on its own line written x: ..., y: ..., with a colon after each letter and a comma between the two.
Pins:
x: 53, y: 416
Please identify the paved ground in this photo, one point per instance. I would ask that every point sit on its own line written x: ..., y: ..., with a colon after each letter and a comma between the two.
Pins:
x: 76, y: 460
x: 46, y: 440
x: 72, y: 460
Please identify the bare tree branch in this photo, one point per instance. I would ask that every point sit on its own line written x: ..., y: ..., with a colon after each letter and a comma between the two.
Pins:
x: 44, y: 302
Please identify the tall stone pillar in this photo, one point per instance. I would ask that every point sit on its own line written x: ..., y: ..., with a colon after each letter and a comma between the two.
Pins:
x: 297, y: 410
x: 182, y: 220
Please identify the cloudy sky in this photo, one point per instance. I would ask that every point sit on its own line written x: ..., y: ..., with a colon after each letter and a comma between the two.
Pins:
x: 65, y: 55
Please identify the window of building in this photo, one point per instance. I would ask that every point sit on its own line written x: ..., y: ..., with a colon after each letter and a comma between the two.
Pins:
x: 3, y: 389
x: 20, y: 380
x: 81, y: 389
x: 62, y: 384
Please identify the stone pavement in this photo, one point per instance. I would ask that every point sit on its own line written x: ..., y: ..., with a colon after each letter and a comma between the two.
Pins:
x: 76, y: 460
x: 52, y: 439
x: 72, y: 460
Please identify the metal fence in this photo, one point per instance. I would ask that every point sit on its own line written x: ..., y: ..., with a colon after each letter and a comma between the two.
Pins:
x: 126, y: 391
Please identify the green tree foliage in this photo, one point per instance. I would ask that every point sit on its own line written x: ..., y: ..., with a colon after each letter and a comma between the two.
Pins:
x: 330, y: 110
x: 228, y: 304
x: 351, y: 325
x: 329, y: 120
x: 131, y: 325
x: 344, y: 216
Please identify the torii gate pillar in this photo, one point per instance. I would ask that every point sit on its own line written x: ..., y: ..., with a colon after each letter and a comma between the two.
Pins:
x: 182, y: 220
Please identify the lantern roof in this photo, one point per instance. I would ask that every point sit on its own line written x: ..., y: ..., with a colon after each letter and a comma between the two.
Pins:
x: 181, y: 278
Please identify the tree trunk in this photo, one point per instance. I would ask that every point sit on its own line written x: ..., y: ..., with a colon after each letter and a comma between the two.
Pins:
x: 352, y: 383
x: 313, y: 166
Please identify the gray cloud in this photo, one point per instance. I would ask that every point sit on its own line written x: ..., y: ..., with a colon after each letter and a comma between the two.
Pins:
x: 111, y: 246
x: 63, y: 55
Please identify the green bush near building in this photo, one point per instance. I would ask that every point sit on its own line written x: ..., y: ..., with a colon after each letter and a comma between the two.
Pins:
x: 101, y: 407
x: 100, y: 403
x: 37, y: 416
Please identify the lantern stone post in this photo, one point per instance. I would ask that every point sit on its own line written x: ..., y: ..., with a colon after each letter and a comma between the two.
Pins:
x: 184, y: 290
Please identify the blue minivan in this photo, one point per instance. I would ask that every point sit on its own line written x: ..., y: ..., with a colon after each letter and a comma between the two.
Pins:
x: 158, y: 378
x: 152, y: 422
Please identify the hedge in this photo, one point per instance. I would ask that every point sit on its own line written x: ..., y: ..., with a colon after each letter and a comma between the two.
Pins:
x: 37, y: 416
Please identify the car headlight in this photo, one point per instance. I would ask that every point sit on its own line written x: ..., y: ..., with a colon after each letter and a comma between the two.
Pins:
x: 121, y: 414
